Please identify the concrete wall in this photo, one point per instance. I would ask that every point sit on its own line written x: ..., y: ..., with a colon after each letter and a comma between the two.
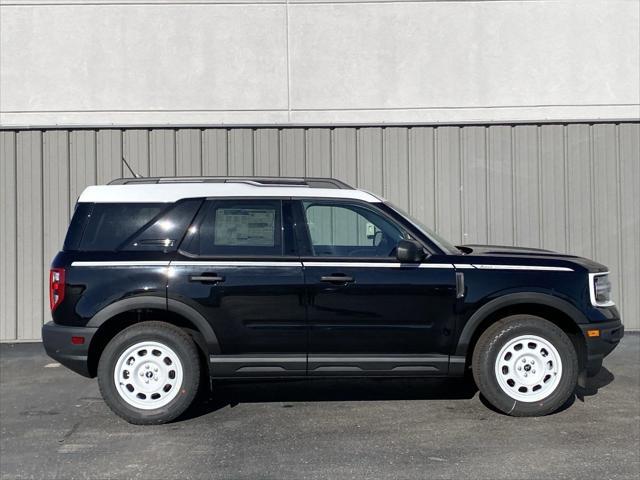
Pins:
x: 205, y: 62
x: 572, y: 188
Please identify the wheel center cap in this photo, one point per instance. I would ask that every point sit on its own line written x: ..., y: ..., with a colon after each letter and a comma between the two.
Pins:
x: 149, y: 375
x: 527, y: 368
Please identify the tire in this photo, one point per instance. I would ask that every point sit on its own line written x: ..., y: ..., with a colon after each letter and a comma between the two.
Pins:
x: 149, y: 373
x: 525, y: 382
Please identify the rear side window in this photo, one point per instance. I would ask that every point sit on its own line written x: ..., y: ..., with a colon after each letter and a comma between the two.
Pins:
x: 238, y: 228
x: 108, y: 225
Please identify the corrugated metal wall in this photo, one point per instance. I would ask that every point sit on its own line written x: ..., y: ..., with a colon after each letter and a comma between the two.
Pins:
x: 568, y: 187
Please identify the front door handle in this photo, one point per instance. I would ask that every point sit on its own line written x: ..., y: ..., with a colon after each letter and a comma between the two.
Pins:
x: 206, y: 278
x: 337, y: 278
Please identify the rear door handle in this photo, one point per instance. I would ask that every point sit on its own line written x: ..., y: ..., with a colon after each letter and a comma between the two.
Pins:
x: 337, y: 279
x: 206, y: 278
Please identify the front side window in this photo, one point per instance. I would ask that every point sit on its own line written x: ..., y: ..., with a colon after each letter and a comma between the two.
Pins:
x: 341, y: 229
x: 237, y: 227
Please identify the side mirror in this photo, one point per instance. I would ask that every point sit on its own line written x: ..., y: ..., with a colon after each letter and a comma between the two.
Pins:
x: 409, y: 251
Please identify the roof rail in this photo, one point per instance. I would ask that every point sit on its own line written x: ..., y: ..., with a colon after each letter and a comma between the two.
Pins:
x: 258, y: 181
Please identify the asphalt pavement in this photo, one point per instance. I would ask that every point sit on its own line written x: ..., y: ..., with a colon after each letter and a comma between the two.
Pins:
x: 54, y: 424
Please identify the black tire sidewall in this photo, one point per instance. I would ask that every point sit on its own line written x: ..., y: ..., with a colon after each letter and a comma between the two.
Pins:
x: 176, y: 340
x: 497, y: 337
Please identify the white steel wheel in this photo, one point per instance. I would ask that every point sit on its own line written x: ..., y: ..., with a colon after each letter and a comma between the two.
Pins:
x: 528, y: 368
x: 148, y: 375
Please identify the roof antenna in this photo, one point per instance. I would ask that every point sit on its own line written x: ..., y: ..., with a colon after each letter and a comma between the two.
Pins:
x: 130, y: 169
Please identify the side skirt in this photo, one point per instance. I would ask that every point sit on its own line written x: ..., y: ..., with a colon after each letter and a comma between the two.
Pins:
x: 327, y: 365
x: 457, y: 364
x: 378, y: 365
x: 249, y: 366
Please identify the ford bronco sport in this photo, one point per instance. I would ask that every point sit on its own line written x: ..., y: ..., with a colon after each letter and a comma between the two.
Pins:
x: 164, y: 283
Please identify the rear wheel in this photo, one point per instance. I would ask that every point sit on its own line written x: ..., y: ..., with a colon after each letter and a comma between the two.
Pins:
x: 525, y: 366
x: 149, y: 373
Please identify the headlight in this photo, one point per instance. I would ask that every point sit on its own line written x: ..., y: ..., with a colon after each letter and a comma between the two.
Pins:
x: 600, y: 289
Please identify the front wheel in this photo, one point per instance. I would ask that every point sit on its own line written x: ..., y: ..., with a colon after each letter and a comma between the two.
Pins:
x: 149, y: 373
x: 525, y: 366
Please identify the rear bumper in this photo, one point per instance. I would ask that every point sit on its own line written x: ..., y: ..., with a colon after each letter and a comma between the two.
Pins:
x: 599, y: 347
x: 57, y: 343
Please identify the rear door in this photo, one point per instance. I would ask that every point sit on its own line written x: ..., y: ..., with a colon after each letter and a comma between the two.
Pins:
x: 238, y: 266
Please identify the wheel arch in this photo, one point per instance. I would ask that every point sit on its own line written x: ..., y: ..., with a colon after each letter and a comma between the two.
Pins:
x: 123, y: 313
x: 554, y: 309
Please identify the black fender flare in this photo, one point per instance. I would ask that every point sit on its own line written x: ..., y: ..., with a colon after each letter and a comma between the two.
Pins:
x: 508, y: 300
x: 160, y: 303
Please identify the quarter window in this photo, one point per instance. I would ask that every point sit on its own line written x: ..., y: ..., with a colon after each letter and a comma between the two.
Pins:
x: 110, y: 224
x: 349, y: 230
x: 167, y: 230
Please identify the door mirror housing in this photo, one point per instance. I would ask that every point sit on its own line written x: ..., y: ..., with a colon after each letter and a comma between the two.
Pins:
x: 410, y: 251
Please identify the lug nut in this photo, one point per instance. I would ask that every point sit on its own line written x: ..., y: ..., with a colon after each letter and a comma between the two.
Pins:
x: 519, y: 368
x: 147, y: 367
x: 533, y: 371
x: 524, y: 360
x: 526, y: 374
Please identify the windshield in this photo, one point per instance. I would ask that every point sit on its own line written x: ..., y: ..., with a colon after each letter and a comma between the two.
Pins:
x: 442, y: 243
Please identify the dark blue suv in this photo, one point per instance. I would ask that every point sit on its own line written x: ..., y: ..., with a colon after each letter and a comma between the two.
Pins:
x: 165, y: 283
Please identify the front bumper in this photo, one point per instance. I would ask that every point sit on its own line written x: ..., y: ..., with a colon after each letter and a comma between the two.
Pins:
x: 610, y: 334
x: 57, y: 343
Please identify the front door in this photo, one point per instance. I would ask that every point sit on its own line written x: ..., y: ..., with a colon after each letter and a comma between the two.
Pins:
x: 239, y: 268
x: 368, y: 314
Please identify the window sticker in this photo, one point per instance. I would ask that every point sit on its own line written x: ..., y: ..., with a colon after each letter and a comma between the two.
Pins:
x: 245, y: 226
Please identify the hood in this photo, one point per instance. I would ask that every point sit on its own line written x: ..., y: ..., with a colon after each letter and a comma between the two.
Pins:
x: 505, y: 252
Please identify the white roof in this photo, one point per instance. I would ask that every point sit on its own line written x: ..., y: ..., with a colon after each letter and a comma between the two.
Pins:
x: 171, y: 192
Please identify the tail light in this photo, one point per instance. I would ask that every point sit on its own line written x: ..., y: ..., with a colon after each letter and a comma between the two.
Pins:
x: 56, y: 287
